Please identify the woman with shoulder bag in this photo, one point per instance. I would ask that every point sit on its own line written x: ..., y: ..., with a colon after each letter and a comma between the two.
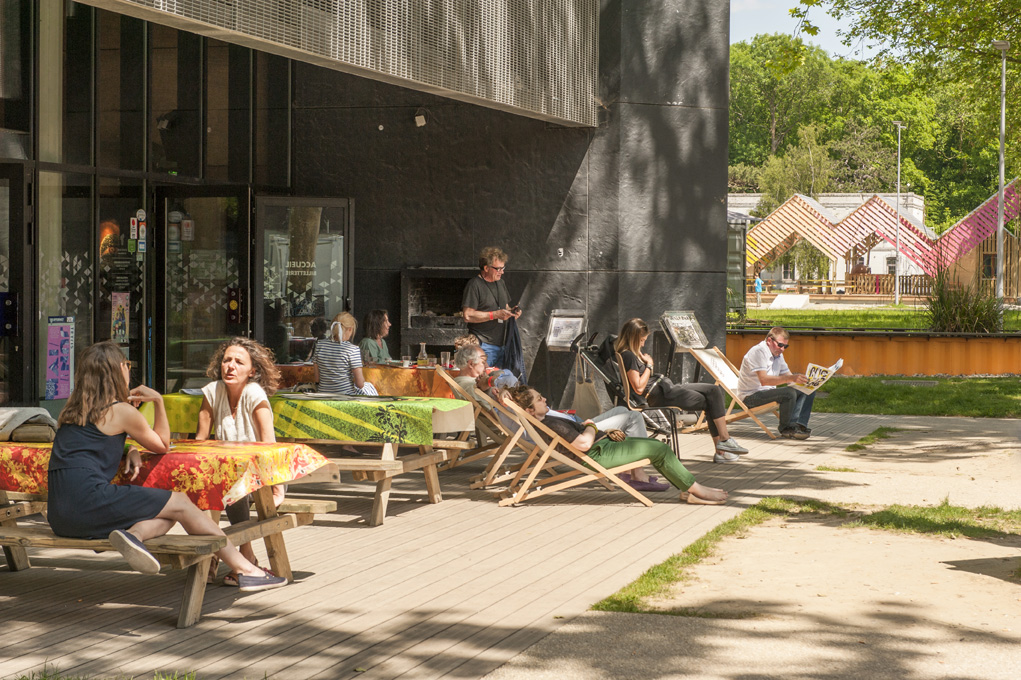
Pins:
x: 658, y: 390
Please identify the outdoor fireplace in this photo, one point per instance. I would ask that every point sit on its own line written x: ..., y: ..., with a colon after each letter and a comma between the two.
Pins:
x: 431, y: 307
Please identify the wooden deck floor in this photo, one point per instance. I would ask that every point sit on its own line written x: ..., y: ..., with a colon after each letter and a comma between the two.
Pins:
x: 448, y: 590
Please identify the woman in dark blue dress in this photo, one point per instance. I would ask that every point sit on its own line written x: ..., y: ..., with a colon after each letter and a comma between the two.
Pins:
x: 89, y: 446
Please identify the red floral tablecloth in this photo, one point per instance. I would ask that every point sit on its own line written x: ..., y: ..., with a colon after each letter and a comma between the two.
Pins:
x: 212, y: 473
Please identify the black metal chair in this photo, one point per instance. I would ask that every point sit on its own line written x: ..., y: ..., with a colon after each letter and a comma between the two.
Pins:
x: 600, y: 358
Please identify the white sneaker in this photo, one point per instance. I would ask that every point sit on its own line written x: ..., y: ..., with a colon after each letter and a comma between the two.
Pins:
x: 731, y: 446
x: 725, y: 457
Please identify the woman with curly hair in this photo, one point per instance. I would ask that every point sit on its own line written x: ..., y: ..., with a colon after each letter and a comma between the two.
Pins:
x: 236, y: 406
x: 89, y: 447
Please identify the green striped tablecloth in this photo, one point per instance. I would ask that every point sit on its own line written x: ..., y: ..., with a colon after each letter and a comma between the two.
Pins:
x: 407, y: 420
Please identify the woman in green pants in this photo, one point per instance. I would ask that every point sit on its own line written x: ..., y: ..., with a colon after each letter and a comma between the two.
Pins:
x: 612, y: 448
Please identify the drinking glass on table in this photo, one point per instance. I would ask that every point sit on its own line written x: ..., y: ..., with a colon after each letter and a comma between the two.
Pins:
x: 431, y: 363
x: 445, y: 359
x: 406, y: 361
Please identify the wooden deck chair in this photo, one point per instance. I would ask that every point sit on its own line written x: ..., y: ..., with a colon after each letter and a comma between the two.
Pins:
x: 672, y: 413
x: 497, y: 473
x: 725, y: 374
x: 526, y: 484
x: 489, y: 434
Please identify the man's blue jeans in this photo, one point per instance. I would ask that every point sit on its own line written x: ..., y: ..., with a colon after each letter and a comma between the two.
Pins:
x: 494, y: 355
x: 795, y: 406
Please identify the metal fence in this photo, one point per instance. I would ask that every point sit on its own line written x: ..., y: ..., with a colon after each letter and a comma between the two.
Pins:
x: 858, y: 284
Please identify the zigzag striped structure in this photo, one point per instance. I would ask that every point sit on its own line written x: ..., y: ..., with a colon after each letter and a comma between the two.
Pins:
x: 874, y: 221
x: 980, y: 224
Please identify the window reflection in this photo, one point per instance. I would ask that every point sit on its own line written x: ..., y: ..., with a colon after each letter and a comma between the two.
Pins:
x: 303, y: 271
x: 120, y: 90
x: 66, y: 270
x: 15, y: 78
x: 120, y: 306
x: 175, y: 91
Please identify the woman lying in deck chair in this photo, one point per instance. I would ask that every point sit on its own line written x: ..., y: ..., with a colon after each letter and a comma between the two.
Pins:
x: 611, y: 449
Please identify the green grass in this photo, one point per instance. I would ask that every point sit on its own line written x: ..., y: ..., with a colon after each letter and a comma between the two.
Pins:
x: 658, y: 579
x: 945, y: 520
x: 883, y: 318
x: 872, y: 438
x: 941, y: 520
x: 970, y: 397
x: 827, y: 468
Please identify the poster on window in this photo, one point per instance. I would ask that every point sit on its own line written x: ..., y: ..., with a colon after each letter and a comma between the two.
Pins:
x: 119, y: 317
x: 59, y: 357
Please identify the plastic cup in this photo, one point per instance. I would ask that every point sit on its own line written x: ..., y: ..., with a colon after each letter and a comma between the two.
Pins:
x: 406, y: 362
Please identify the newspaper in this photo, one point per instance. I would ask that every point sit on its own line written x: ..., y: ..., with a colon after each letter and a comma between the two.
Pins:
x: 817, y: 376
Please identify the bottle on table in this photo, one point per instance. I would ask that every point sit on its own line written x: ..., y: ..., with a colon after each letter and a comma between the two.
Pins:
x: 423, y: 357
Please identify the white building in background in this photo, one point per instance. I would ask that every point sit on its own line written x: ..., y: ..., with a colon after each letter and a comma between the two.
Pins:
x: 838, y: 206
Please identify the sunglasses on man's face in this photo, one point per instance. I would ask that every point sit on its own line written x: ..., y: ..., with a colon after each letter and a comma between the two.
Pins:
x: 781, y: 345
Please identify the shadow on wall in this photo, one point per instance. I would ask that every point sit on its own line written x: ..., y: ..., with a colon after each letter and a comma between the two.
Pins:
x: 627, y: 219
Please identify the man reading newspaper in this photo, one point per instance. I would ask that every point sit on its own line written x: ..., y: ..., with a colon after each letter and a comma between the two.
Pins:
x: 762, y: 370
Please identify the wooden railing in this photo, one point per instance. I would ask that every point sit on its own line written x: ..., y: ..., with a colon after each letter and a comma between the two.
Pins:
x: 882, y: 284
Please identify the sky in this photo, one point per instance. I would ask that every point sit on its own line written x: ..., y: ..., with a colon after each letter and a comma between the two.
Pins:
x: 749, y: 18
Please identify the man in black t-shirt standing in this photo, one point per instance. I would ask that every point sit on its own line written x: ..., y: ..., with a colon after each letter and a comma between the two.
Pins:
x: 486, y: 305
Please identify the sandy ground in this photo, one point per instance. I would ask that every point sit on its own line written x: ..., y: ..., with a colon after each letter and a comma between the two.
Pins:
x: 808, y: 598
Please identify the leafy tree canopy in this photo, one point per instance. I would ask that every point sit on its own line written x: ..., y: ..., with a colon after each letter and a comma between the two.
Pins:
x: 949, y: 151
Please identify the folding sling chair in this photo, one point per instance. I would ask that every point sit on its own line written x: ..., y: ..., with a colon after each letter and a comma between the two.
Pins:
x: 496, y: 473
x: 672, y: 413
x: 581, y: 468
x: 655, y: 421
x: 489, y: 434
x: 725, y: 374
x: 497, y: 437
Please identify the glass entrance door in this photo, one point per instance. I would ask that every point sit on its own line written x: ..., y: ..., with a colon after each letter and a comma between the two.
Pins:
x: 304, y: 247
x: 16, y: 379
x: 203, y: 287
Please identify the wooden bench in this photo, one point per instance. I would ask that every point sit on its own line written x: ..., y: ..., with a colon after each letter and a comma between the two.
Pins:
x: 178, y: 551
x: 383, y: 469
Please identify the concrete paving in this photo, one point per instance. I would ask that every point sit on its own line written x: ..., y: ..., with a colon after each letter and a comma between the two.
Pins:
x: 834, y: 603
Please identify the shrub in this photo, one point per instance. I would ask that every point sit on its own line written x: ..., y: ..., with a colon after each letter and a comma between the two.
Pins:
x: 953, y: 307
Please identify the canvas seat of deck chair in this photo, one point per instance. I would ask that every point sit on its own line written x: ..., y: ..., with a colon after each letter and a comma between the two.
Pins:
x: 726, y: 375
x: 551, y: 448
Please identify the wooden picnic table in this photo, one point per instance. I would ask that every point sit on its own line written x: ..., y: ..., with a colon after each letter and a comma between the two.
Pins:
x: 212, y: 473
x: 387, y: 423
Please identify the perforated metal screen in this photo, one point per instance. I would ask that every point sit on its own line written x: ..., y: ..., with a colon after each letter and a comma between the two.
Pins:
x: 534, y: 57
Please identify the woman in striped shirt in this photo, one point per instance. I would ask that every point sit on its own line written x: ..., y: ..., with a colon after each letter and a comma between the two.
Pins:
x: 338, y: 362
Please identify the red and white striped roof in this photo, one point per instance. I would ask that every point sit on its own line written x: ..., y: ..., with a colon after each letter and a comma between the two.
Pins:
x: 960, y: 239
x: 802, y: 217
x: 876, y: 216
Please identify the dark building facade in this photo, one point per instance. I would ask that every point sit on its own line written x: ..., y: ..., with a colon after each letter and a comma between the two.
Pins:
x: 218, y: 146
x: 623, y: 220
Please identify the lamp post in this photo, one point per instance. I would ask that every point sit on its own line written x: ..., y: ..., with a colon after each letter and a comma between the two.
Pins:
x: 896, y: 255
x: 1003, y: 46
